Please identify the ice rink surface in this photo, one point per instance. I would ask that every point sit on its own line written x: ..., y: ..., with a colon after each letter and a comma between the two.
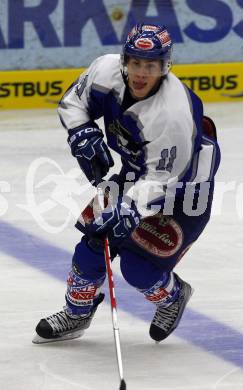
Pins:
x: 41, y: 193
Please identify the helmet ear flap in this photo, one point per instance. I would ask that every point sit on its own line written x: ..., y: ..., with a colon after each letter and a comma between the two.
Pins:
x: 123, y: 65
x: 167, y: 65
x: 124, y: 59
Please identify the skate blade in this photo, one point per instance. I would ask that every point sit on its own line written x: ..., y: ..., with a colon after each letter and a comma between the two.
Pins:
x: 40, y: 340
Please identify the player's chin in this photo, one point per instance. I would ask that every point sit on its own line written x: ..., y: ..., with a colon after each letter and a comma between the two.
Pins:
x: 140, y: 93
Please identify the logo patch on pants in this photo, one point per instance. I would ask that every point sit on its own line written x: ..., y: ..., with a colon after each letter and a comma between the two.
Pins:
x: 160, y: 235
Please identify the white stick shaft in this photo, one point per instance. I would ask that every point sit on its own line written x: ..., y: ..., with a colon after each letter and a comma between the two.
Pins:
x: 113, y: 308
x: 107, y: 255
x: 118, y: 351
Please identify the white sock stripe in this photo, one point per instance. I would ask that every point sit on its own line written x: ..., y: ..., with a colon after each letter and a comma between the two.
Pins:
x: 170, y: 286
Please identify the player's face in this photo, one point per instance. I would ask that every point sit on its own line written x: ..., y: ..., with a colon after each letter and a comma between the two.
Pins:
x: 143, y: 76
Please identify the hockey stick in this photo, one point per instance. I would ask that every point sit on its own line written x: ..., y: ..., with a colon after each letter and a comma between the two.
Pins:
x: 107, y: 255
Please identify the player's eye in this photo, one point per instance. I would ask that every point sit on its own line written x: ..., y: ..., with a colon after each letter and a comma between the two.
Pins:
x: 136, y: 63
x: 151, y: 67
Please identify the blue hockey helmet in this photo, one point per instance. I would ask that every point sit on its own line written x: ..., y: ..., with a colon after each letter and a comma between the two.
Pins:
x: 148, y: 42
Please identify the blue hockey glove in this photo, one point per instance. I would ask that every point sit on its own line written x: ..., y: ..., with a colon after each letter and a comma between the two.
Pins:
x: 116, y: 221
x: 88, y: 146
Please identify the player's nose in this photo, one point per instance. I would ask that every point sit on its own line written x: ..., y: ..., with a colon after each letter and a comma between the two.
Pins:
x: 142, y: 72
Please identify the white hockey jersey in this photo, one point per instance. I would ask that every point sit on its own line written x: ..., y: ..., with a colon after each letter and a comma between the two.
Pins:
x: 159, y: 138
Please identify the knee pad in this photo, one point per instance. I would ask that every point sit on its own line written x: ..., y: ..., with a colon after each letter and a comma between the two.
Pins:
x: 88, y: 262
x: 137, y: 271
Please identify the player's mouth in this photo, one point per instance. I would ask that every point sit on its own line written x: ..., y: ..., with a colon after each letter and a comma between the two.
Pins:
x: 138, y: 85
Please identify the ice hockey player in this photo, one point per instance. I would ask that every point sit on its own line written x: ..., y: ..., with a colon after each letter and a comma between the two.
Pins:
x: 169, y: 156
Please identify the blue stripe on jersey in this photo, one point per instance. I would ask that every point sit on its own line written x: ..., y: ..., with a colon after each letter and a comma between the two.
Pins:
x: 196, y: 108
x: 215, y: 158
x: 123, y: 133
x: 96, y: 103
x: 197, y: 113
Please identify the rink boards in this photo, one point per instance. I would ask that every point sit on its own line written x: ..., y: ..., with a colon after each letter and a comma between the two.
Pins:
x: 44, y: 88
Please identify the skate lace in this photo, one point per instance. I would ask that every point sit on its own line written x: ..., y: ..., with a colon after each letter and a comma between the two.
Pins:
x: 61, y: 322
x: 165, y: 317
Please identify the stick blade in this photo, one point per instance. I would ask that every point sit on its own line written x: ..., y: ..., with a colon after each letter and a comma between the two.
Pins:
x: 123, y: 385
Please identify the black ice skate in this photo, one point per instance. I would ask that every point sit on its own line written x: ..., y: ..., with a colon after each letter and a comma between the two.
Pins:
x: 60, y: 326
x: 166, y: 319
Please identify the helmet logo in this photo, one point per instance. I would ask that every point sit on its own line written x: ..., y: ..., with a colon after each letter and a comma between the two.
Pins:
x: 131, y: 33
x: 144, y: 43
x: 150, y: 28
x: 164, y: 38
